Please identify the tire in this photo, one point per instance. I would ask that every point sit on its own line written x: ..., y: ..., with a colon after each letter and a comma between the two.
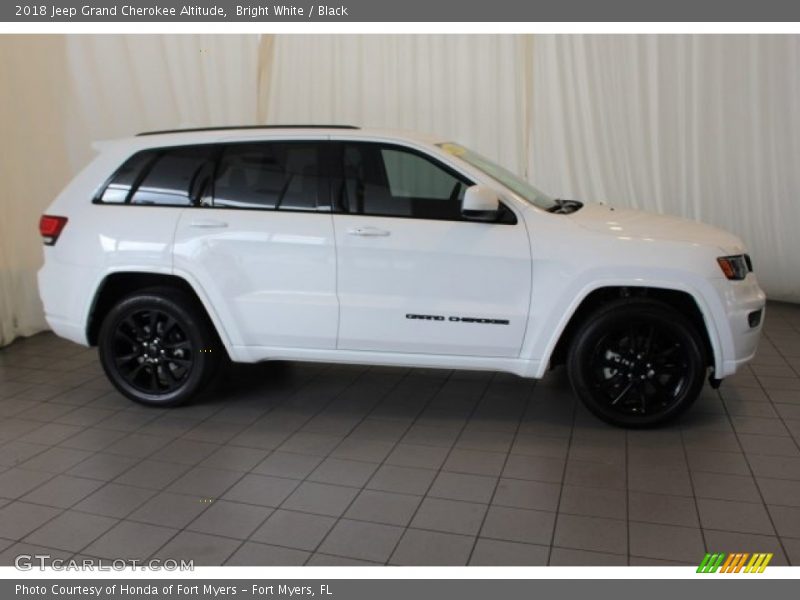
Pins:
x: 637, y: 363
x: 158, y: 348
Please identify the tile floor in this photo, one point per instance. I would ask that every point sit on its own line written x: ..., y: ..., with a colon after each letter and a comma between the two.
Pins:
x: 327, y: 465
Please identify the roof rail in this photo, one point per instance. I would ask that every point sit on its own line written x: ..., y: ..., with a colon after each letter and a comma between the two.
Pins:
x: 234, y: 127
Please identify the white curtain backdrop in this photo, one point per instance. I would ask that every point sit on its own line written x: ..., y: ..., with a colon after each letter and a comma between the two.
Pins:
x: 706, y: 127
x: 465, y: 88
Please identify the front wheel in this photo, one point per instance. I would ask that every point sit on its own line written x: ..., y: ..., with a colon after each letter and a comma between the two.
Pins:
x: 637, y: 363
x: 157, y: 348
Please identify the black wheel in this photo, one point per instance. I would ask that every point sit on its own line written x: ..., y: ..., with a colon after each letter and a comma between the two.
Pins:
x: 157, y: 348
x: 637, y: 363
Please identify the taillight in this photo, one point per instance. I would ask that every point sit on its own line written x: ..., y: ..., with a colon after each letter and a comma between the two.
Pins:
x: 50, y: 228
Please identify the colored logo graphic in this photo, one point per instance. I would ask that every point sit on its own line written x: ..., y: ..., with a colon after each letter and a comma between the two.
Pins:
x: 738, y: 562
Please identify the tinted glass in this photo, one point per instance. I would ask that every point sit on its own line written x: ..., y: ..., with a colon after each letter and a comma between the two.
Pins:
x: 175, y: 178
x: 268, y: 175
x: 120, y: 186
x: 391, y: 181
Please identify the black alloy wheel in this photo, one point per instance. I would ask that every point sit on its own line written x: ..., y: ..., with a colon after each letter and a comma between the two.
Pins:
x: 157, y: 348
x: 637, y: 363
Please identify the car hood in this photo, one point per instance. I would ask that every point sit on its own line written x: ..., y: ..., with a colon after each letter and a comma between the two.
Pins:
x: 629, y: 223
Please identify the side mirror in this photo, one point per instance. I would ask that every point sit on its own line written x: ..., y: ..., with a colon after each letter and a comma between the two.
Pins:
x: 480, y: 204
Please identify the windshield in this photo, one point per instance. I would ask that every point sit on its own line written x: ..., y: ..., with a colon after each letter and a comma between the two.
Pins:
x: 504, y: 176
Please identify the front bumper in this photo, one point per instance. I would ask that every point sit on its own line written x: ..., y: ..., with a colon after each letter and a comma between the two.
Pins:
x: 744, y: 304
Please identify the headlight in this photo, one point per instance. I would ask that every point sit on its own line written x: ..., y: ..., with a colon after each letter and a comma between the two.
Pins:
x: 735, y: 267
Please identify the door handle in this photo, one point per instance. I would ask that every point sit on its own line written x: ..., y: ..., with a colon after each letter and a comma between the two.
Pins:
x: 368, y: 232
x: 207, y: 224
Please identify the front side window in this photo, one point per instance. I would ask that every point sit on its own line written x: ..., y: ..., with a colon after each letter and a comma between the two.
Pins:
x: 383, y: 180
x: 268, y: 175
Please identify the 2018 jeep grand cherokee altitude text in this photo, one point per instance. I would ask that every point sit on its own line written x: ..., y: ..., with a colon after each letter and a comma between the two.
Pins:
x: 346, y: 245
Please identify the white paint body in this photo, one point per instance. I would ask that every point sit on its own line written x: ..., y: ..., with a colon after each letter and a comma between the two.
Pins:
x: 338, y: 287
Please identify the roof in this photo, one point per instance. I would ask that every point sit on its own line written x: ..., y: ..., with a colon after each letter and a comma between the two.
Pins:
x: 210, y: 135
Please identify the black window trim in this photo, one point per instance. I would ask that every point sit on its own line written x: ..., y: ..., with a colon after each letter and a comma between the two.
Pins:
x: 337, y: 175
x: 323, y: 200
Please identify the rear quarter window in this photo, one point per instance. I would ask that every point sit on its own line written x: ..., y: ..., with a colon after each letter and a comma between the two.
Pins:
x: 167, y: 177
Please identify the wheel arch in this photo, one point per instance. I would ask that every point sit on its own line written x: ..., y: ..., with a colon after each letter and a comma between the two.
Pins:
x: 119, y: 284
x: 687, y: 303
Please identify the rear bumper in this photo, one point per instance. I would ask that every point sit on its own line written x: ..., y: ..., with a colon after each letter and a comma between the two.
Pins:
x: 63, y: 290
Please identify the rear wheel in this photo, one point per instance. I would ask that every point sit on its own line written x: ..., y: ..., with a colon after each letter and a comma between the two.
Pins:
x: 637, y: 363
x: 157, y: 348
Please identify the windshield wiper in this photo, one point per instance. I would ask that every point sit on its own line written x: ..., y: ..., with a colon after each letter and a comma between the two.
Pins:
x: 564, y: 207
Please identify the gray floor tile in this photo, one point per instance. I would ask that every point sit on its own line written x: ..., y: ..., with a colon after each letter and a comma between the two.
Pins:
x: 776, y: 467
x: 284, y: 464
x: 252, y: 555
x: 102, y: 466
x: 519, y: 525
x: 460, y: 486
x: 18, y: 519
x: 591, y: 533
x: 185, y: 452
x: 668, y: 542
x: 62, y: 491
x: 328, y: 560
x: 320, y: 498
x: 487, y: 441
x: 593, y: 502
x: 203, y: 549
x: 450, y: 516
x: 732, y: 463
x: 51, y: 433
x: 726, y: 515
x: 340, y: 471
x: 792, y: 550
x: 518, y: 493
x: 725, y: 541
x: 10, y: 554
x: 404, y: 480
x: 55, y: 460
x: 417, y: 455
x: 499, y: 553
x: 534, y: 468
x: 93, y: 439
x: 316, y: 444
x: 230, y: 519
x: 114, y: 500
x: 357, y: 448
x: 152, y: 474
x: 137, y: 445
x: 261, y: 489
x: 383, y: 507
x: 14, y: 453
x: 595, y: 474
x: 431, y: 548
x: 775, y: 491
x: 234, y: 458
x: 294, y: 530
x: 726, y: 487
x: 786, y: 520
x: 361, y: 540
x: 169, y: 510
x: 18, y: 482
x: 128, y: 540
x: 564, y: 557
x: 675, y: 482
x: 666, y: 510
x: 204, y: 482
x: 70, y: 531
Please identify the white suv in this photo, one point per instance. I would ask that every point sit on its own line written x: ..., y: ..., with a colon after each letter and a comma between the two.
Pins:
x: 174, y: 250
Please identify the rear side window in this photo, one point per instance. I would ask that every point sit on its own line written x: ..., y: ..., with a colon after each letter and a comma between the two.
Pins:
x: 167, y: 177
x: 268, y: 175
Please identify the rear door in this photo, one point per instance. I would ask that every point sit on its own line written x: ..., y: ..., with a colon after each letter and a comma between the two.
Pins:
x: 261, y: 244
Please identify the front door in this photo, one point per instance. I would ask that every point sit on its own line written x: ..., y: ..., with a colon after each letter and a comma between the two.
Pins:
x: 414, y: 276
